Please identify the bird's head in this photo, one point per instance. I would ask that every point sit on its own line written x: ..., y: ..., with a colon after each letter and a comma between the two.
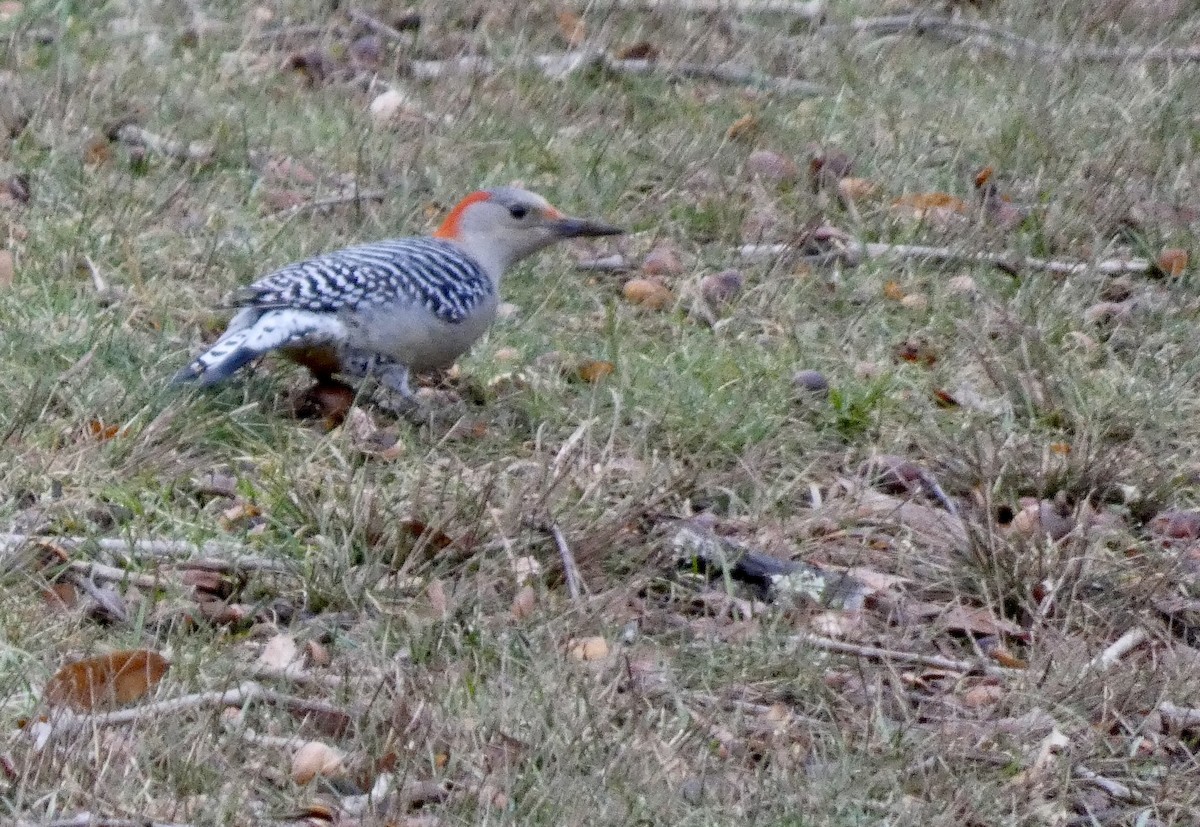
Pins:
x: 503, y: 225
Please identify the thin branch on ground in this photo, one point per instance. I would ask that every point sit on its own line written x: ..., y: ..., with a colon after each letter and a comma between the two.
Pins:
x: 1122, y: 646
x: 194, y: 151
x: 570, y: 567
x: 881, y: 654
x: 377, y: 26
x: 562, y: 65
x: 306, y: 30
x: 332, y: 201
x: 615, y: 263
x: 1114, y: 788
x: 799, y: 9
x: 113, y: 574
x: 90, y: 820
x: 1179, y: 717
x: 147, y: 548
x: 1009, y: 43
x: 855, y: 251
x: 64, y: 722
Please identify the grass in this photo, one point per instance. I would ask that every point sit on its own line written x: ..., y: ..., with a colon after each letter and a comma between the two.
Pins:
x: 699, y: 714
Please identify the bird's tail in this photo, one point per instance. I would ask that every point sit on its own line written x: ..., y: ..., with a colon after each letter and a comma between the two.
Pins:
x: 219, y: 362
x: 248, y: 338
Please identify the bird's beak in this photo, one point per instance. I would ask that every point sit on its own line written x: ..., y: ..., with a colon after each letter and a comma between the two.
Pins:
x: 579, y: 227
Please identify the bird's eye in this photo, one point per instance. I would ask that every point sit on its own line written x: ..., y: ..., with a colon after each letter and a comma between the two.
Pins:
x: 517, y: 212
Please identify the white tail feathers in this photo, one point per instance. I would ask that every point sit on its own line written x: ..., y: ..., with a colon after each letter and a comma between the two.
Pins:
x: 253, y: 333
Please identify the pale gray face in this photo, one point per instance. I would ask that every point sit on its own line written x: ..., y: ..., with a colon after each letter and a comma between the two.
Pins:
x: 520, y: 222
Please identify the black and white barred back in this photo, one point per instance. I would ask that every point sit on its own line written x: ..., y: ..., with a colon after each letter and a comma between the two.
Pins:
x: 428, y: 272
x: 307, y: 303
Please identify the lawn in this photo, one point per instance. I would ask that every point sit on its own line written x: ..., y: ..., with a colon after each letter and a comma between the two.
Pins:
x: 904, y: 310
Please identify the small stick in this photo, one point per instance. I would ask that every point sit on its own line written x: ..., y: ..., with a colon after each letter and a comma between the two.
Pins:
x: 112, y: 574
x: 134, y: 135
x: 1119, y: 648
x: 877, y: 653
x: 376, y: 26
x: 1179, y: 717
x: 288, y: 32
x: 64, y: 722
x: 153, y: 548
x: 1009, y: 43
x: 855, y: 251
x: 1114, y: 788
x: 608, y: 264
x: 86, y: 819
x: 570, y: 568
x: 810, y: 10
x: 97, y: 279
x: 333, y: 201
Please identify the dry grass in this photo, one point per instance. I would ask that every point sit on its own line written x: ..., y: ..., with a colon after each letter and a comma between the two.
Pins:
x: 708, y: 707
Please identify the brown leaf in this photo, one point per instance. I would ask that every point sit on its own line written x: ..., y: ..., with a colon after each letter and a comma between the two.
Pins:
x: 648, y: 293
x: 115, y: 679
x: 419, y: 530
x: 60, y: 596
x: 1172, y: 261
x: 239, y: 515
x: 315, y: 65
x: 743, y: 127
x: 99, y: 431
x: 827, y: 167
x: 329, y: 401
x: 571, y: 27
x: 893, y: 290
x: 937, y: 207
x: 592, y: 371
x: 641, y: 50
x: 97, y: 152
x: 662, y: 261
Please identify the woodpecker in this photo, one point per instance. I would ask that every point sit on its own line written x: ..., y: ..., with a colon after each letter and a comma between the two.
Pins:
x: 390, y: 307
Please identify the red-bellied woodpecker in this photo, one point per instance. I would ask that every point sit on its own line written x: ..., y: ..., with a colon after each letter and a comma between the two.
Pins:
x: 391, y: 306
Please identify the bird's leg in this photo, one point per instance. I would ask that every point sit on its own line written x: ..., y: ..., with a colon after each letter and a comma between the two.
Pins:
x: 395, y: 378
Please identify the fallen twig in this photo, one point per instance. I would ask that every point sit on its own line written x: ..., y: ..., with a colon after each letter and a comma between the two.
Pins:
x: 289, y: 32
x: 570, y: 567
x: 170, y: 549
x: 64, y: 722
x: 376, y: 26
x: 855, y: 251
x: 615, y: 263
x: 878, y: 653
x: 332, y: 201
x: 86, y: 819
x: 1114, y: 788
x: 1119, y: 648
x: 567, y: 63
x: 194, y: 151
x: 1011, y: 44
x: 810, y: 10
x: 1179, y: 717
